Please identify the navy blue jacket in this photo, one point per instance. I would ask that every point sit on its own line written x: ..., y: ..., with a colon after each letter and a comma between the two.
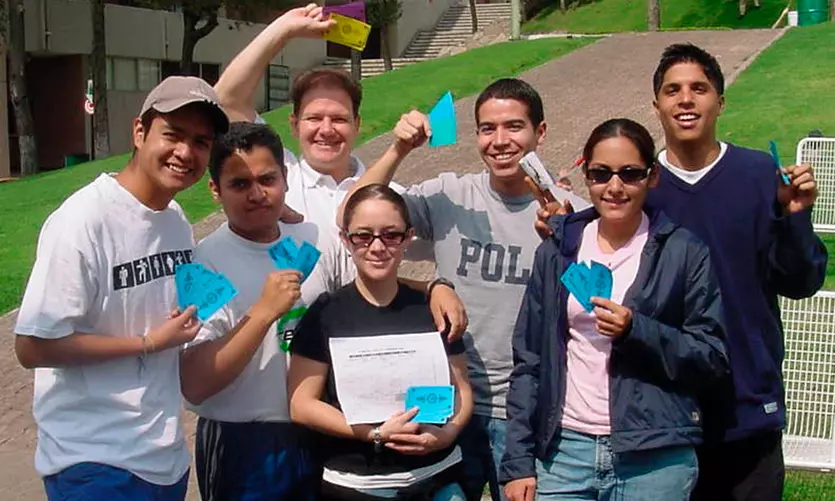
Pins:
x: 674, y: 349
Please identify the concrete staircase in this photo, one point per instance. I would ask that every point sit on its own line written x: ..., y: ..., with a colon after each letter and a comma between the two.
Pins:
x: 453, y: 29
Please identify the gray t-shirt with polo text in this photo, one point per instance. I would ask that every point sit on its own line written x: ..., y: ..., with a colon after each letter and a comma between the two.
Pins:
x: 484, y: 243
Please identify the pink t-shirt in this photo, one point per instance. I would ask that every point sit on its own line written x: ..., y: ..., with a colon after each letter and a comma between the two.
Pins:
x: 586, y: 407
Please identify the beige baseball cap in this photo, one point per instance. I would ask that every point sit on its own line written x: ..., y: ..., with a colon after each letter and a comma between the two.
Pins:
x: 177, y: 91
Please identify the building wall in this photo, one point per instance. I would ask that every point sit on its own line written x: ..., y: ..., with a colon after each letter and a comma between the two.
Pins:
x: 65, y: 27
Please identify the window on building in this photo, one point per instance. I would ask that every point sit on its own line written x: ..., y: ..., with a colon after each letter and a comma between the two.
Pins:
x: 277, y: 86
x: 149, y: 72
x: 124, y: 74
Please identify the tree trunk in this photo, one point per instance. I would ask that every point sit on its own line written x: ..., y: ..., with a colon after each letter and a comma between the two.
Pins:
x: 356, y: 65
x: 192, y: 34
x: 98, y: 62
x: 386, y: 47
x: 474, y: 15
x: 832, y: 11
x: 653, y: 15
x: 24, y: 121
x: 563, y: 5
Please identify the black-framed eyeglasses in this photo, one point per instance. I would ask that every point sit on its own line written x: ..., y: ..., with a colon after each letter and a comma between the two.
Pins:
x: 391, y: 238
x: 600, y: 175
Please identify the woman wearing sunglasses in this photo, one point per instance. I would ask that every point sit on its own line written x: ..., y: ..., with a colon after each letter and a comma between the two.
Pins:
x: 602, y: 402
x: 411, y: 461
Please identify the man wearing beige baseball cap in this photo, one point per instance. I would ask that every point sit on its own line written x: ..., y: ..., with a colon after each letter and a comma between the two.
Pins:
x: 98, y: 321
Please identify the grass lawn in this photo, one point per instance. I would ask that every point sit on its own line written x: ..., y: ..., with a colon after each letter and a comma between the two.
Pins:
x: 26, y: 203
x: 809, y: 486
x: 770, y: 100
x: 609, y: 16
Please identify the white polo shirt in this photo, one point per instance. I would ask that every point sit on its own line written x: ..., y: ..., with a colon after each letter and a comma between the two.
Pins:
x: 317, y: 195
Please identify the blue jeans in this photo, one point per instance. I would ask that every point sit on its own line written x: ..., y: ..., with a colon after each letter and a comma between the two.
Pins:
x: 583, y: 467
x: 100, y: 482
x: 482, y: 444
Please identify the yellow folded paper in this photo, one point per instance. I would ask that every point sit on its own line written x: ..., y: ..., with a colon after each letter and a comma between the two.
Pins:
x: 348, y: 31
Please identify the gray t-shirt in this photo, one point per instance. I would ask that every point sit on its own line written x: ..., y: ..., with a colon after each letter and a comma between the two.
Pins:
x: 484, y: 243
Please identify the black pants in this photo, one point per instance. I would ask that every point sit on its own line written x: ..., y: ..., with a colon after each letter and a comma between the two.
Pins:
x: 744, y: 470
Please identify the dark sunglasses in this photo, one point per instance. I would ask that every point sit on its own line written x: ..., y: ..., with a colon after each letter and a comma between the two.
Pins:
x: 599, y: 175
x: 366, y: 238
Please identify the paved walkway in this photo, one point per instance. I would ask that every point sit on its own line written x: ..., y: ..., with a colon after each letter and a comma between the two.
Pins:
x: 611, y: 78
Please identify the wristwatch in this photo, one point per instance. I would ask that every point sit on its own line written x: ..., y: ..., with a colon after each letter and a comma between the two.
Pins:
x: 377, y: 437
x: 439, y: 281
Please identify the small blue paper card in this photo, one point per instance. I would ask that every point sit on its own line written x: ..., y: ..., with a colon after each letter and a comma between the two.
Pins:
x: 600, y: 283
x: 198, y: 286
x: 577, y: 280
x: 442, y: 122
x: 306, y: 259
x: 435, y: 404
x: 284, y: 253
x: 772, y: 147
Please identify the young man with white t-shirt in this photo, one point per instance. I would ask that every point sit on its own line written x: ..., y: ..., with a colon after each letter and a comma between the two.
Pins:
x: 233, y: 373
x: 98, y: 321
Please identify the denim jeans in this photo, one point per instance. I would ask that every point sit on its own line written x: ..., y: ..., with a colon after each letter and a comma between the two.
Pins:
x: 100, y: 482
x: 482, y: 444
x: 583, y: 467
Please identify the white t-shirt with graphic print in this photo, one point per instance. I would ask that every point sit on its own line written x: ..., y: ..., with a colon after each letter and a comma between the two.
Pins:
x: 105, y: 266
x: 259, y: 393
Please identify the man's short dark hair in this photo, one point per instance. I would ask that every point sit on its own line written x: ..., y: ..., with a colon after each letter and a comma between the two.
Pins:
x: 689, y: 53
x: 327, y: 78
x: 518, y: 90
x: 245, y: 136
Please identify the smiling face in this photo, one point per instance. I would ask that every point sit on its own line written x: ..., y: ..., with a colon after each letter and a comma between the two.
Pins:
x: 172, y: 150
x: 618, y: 200
x: 505, y: 135
x: 688, y: 105
x: 377, y: 259
x: 326, y: 128
x: 251, y: 189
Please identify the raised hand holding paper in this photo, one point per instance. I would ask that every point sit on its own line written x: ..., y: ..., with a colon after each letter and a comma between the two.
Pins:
x: 207, y: 290
x: 442, y: 122
x: 348, y: 32
x: 435, y: 404
x: 535, y: 169
x: 772, y: 147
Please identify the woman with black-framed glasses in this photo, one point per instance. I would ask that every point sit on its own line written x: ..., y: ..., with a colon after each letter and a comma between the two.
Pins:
x: 397, y: 459
x: 603, y: 400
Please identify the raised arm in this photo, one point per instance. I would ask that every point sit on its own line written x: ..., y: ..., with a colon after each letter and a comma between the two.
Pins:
x: 238, y: 83
x: 410, y: 132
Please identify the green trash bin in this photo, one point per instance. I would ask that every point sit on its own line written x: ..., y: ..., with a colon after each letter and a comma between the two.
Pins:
x: 811, y: 12
x: 78, y: 158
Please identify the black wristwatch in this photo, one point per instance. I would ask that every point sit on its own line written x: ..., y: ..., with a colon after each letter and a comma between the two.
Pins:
x: 438, y: 281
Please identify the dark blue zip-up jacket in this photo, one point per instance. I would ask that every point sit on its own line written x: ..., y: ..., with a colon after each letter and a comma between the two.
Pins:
x: 674, y: 349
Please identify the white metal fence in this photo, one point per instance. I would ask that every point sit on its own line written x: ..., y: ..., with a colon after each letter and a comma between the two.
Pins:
x: 809, y: 374
x: 819, y: 152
